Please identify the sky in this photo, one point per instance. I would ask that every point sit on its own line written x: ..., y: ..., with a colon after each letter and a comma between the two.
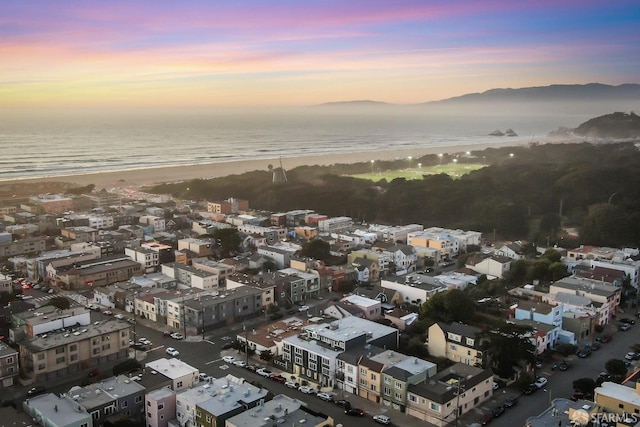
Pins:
x: 84, y: 54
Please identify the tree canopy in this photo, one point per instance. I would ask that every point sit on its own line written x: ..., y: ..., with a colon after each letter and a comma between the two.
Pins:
x: 508, y: 347
x: 450, y: 306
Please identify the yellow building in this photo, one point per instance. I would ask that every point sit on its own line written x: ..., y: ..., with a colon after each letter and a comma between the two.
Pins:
x: 620, y: 398
x: 456, y: 342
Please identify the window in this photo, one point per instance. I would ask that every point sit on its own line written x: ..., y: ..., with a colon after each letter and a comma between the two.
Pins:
x: 363, y: 381
x: 387, y: 380
x: 363, y: 371
x: 125, y: 404
x: 160, y: 406
x: 41, y: 356
x: 179, y: 384
x: 413, y: 398
x: 374, y: 377
x: 9, y: 360
x: 59, y: 350
x: 138, y: 399
x: 434, y: 406
x: 60, y: 359
x: 399, y: 385
x: 208, y: 418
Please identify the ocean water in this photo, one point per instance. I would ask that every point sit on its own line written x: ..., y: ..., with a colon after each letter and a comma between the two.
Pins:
x: 46, y: 145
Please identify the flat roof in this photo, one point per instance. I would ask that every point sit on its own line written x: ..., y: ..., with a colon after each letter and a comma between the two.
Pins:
x: 62, y: 411
x: 171, y: 368
x: 57, y: 339
x: 226, y: 394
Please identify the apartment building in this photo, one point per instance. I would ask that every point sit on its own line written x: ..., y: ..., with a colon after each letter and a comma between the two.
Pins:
x: 147, y: 258
x: 114, y: 396
x: 220, y: 269
x: 229, y: 206
x: 9, y: 368
x: 280, y: 410
x: 313, y: 353
x: 57, y: 354
x: 57, y: 411
x: 457, y: 342
x: 160, y: 407
x: 605, y: 295
x: 191, y: 276
x: 52, y: 203
x: 176, y: 373
x: 225, y: 398
x: 453, y: 392
x: 199, y: 247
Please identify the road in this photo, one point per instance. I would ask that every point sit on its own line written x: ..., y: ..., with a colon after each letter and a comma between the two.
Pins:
x: 560, y: 383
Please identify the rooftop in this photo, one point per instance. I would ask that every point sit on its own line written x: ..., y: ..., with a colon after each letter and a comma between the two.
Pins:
x: 226, y: 394
x: 280, y: 410
x: 172, y: 368
x: 64, y: 337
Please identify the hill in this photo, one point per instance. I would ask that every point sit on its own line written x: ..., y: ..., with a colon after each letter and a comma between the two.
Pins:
x: 552, y: 93
x: 615, y: 125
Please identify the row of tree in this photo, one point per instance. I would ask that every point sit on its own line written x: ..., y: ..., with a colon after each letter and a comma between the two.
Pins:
x: 532, y: 194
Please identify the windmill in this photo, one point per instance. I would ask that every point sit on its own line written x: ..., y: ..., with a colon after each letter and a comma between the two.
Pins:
x: 279, y: 174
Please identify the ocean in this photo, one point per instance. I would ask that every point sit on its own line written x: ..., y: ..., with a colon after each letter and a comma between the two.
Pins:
x: 47, y: 145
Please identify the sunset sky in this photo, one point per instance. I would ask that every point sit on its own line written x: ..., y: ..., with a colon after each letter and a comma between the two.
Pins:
x: 301, y: 52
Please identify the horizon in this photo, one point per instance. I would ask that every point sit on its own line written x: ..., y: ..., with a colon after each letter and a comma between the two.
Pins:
x: 200, y: 55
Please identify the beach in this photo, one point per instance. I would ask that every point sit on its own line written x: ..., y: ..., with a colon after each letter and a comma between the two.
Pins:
x: 137, y: 178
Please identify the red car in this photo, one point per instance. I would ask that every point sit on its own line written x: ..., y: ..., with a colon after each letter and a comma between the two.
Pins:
x: 278, y: 378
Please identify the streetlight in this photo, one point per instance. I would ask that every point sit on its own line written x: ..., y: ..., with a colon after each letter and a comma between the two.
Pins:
x: 372, y: 162
x: 440, y: 158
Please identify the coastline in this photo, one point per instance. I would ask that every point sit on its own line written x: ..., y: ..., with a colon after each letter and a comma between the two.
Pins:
x: 136, y: 178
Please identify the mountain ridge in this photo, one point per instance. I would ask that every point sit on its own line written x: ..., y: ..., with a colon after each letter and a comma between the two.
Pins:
x: 550, y: 93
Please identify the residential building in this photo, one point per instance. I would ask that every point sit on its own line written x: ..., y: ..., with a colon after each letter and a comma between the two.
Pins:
x: 281, y: 410
x: 26, y: 246
x: 599, y: 293
x: 58, y: 354
x: 220, y: 269
x: 111, y: 397
x: 619, y: 398
x: 239, y: 280
x: 199, y: 247
x: 490, y: 265
x: 404, y: 258
x: 514, y: 250
x: 370, y: 308
x: 102, y: 199
x: 334, y: 224
x: 457, y: 342
x: 160, y: 407
x: 416, y: 290
x: 229, y: 206
x: 8, y: 366
x: 180, y: 375
x: 383, y: 259
x: 394, y: 233
x: 313, y: 353
x: 191, y: 276
x: 226, y: 398
x: 52, y: 203
x: 147, y: 258
x: 453, y: 392
x: 280, y: 257
x: 104, y: 271
x: 368, y: 270
x: 398, y: 373
x: 52, y: 410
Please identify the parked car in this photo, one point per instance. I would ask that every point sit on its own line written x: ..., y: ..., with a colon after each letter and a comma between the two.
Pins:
x: 624, y: 326
x: 119, y: 316
x: 292, y: 384
x: 343, y: 403
x: 240, y: 363
x: 172, y: 352
x: 595, y: 346
x: 34, y: 391
x: 203, y: 376
x: 486, y: 419
x: 531, y: 388
x: 144, y: 341
x: 563, y: 366
x: 540, y: 382
x: 382, y: 419
x: 278, y: 378
x: 177, y: 336
x: 306, y: 389
x: 327, y: 397
x: 497, y: 411
x: 606, y: 338
x: 228, y: 359
x: 264, y: 372
x: 584, y: 353
x: 251, y: 368
x: 630, y: 356
x: 303, y: 308
x: 510, y: 403
x: 628, y: 320
x: 107, y: 312
x: 276, y: 316
x: 355, y: 412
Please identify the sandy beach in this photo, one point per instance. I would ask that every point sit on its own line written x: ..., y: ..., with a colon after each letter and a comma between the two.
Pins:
x: 146, y: 177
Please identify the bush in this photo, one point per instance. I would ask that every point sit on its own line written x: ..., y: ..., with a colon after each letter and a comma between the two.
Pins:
x: 566, y: 349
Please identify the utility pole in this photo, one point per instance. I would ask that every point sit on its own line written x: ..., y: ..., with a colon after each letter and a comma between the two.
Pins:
x: 246, y: 342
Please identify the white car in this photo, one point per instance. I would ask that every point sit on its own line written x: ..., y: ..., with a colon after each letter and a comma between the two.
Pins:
x: 306, y: 389
x: 119, y: 316
x: 228, y: 359
x: 144, y: 341
x: 292, y: 384
x: 382, y: 419
x: 240, y: 363
x: 173, y: 352
x: 203, y: 376
x: 540, y: 382
x: 177, y: 336
x: 327, y: 397
x: 264, y: 372
x: 303, y: 308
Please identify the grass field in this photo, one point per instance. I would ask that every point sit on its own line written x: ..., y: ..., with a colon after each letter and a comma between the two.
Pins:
x: 454, y: 170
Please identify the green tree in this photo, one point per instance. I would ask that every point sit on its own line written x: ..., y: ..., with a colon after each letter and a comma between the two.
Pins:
x: 566, y: 349
x: 269, y: 266
x: 228, y: 240
x: 524, y: 380
x: 317, y: 249
x: 127, y: 366
x: 509, y: 345
x: 450, y: 306
x: 616, y: 368
x: 61, y: 303
x: 552, y: 255
x: 585, y: 385
x: 266, y: 355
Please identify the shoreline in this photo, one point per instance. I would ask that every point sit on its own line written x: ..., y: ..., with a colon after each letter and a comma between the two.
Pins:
x: 142, y: 177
